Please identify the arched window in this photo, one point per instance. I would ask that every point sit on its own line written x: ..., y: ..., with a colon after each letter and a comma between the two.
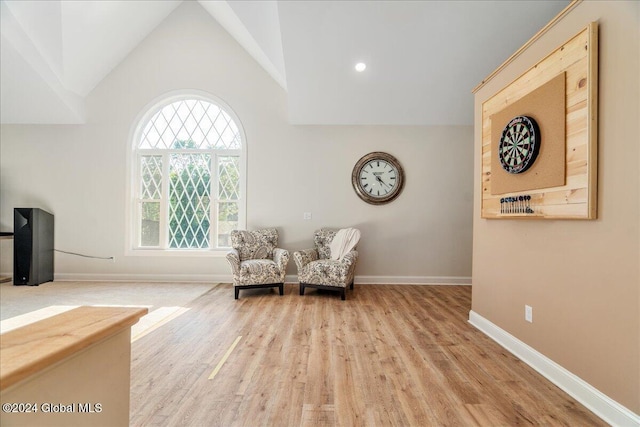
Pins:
x: 188, y: 175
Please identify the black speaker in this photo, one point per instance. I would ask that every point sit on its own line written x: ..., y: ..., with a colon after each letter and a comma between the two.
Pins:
x: 32, y: 246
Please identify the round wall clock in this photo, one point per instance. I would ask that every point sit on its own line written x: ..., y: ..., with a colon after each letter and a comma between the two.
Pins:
x: 377, y: 178
x: 519, y: 144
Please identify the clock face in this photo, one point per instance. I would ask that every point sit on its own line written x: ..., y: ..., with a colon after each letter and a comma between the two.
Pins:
x: 378, y: 178
x: 519, y: 144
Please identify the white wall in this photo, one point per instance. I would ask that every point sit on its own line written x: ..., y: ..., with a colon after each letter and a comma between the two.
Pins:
x: 79, y: 172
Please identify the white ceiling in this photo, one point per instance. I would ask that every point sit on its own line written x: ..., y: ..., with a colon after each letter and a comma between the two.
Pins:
x: 423, y: 57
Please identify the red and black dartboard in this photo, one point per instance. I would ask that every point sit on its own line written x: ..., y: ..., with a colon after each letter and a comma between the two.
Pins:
x: 519, y: 144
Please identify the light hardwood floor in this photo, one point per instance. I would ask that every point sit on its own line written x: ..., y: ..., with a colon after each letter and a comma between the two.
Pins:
x: 388, y: 355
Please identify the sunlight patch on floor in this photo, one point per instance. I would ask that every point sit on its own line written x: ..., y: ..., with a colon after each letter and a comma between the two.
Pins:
x: 32, y: 317
x: 147, y: 324
x: 155, y: 320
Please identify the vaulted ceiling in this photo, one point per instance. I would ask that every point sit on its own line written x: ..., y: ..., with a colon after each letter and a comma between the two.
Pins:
x: 423, y: 57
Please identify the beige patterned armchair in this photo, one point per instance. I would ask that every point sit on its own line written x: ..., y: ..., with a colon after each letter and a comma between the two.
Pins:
x: 256, y: 261
x: 317, y: 270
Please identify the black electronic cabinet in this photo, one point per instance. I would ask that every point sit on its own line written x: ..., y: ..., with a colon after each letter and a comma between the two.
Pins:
x: 32, y: 246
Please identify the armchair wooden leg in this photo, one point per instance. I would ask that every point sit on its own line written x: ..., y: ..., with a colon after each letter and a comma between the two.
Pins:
x: 344, y: 294
x: 351, y: 285
x: 237, y: 291
x: 301, y: 289
x: 281, y: 286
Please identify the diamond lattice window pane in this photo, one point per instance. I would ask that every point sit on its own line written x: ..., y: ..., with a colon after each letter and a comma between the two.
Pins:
x: 227, y: 221
x: 198, y: 110
x: 151, y: 182
x: 150, y: 224
x: 205, y: 126
x: 150, y: 136
x: 189, y: 200
x: 184, y: 109
x: 228, y: 178
x: 191, y: 124
x: 228, y: 135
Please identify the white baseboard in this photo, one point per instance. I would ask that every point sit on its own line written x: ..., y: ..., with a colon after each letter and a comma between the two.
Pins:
x: 227, y: 278
x: 597, y: 402
x: 413, y: 280
x: 90, y: 277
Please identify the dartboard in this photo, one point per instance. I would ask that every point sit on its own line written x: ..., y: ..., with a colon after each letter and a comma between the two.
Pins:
x: 519, y: 144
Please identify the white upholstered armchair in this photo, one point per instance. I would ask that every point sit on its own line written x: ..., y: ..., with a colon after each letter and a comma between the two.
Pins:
x: 317, y: 268
x: 256, y: 261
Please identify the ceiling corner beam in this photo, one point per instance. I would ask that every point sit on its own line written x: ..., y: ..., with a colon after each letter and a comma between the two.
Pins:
x: 524, y: 47
x: 227, y: 18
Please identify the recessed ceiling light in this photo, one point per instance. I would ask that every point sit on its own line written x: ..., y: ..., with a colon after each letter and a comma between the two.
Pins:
x: 360, y: 66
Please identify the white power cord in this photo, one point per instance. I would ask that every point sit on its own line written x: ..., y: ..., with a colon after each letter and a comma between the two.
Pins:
x: 85, y: 256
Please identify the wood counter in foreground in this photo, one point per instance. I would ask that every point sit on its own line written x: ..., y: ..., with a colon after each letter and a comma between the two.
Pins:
x: 69, y: 369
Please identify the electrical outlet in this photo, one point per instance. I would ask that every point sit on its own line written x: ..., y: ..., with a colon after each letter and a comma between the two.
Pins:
x: 528, y: 313
x: 306, y: 216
